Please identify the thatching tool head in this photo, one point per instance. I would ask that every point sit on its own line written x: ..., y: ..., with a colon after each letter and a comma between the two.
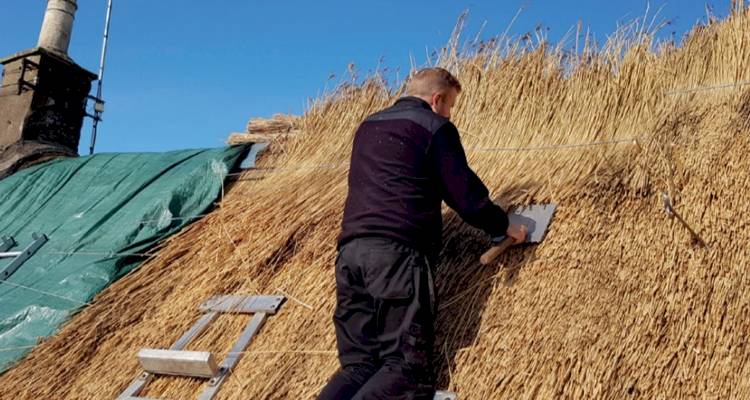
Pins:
x: 535, y: 217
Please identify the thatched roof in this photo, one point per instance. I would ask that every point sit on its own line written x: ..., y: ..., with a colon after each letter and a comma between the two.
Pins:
x: 618, y: 301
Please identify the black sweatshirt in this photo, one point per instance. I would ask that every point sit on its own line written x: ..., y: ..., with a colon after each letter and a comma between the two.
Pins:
x: 405, y: 161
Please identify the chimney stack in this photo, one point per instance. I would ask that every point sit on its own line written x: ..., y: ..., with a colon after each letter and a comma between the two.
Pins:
x: 57, y: 27
x: 43, y: 96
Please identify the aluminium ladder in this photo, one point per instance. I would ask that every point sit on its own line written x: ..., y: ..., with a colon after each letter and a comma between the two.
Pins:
x: 201, y: 364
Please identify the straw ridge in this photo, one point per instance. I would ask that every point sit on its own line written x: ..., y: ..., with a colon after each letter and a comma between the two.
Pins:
x: 617, y: 302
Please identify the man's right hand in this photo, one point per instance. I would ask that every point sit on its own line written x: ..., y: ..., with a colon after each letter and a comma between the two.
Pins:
x: 517, y: 232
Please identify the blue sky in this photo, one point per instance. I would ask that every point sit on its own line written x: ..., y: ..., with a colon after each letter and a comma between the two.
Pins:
x: 185, y: 74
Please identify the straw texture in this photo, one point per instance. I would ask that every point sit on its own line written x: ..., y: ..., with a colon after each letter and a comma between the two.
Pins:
x: 619, y: 301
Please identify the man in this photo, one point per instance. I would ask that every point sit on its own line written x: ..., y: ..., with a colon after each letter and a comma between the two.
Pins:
x: 406, y: 160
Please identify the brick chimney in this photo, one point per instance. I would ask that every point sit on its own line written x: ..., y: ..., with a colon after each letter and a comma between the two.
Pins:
x: 43, y: 96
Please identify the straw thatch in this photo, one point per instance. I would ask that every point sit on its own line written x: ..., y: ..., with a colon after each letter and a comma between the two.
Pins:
x: 619, y: 301
x: 262, y: 130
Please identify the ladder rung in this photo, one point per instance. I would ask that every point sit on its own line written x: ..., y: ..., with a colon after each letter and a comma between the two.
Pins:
x: 243, y: 304
x: 199, y: 364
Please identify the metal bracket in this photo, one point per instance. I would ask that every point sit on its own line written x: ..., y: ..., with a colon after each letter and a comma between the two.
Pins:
x: 7, y: 243
x: 98, y: 108
x: 20, y: 256
x: 175, y: 361
x: 25, y: 63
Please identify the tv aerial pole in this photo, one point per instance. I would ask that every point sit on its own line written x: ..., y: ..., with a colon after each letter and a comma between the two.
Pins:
x: 98, y: 102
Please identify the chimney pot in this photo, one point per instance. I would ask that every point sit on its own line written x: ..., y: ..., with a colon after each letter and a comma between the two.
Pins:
x: 57, y: 27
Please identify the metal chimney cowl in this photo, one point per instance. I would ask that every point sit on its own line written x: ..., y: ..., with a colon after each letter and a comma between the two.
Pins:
x: 57, y: 27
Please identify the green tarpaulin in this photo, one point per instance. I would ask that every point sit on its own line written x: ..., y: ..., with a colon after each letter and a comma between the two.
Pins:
x: 97, y: 212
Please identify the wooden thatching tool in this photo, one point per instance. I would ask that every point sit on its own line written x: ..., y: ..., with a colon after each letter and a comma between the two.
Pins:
x: 536, y: 218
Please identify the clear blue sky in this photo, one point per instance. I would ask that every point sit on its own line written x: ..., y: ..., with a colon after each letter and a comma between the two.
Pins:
x: 184, y: 74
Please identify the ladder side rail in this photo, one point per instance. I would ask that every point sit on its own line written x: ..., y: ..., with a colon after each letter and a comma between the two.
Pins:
x: 234, y: 356
x: 39, y: 241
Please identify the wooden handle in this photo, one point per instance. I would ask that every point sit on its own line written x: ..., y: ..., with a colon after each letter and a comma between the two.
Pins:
x: 490, y: 255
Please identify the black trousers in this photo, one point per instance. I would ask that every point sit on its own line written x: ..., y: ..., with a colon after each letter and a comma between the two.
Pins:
x: 384, y: 323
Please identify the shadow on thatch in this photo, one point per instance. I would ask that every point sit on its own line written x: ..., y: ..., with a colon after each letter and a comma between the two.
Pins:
x: 467, y: 302
x: 464, y: 292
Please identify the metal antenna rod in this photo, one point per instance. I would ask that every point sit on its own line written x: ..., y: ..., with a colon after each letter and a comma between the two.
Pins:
x: 98, y: 106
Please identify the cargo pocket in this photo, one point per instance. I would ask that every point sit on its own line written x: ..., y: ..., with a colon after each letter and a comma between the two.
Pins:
x: 389, y: 274
x: 414, y: 346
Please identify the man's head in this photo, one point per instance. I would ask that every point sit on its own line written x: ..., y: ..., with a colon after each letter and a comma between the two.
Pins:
x: 437, y: 87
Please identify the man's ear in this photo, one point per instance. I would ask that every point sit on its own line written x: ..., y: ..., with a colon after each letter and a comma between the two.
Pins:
x: 436, y: 97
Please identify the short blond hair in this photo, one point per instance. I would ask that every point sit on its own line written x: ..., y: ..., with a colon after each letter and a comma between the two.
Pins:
x: 428, y: 81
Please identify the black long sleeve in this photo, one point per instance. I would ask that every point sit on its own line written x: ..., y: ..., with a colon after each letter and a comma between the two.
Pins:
x: 461, y: 188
